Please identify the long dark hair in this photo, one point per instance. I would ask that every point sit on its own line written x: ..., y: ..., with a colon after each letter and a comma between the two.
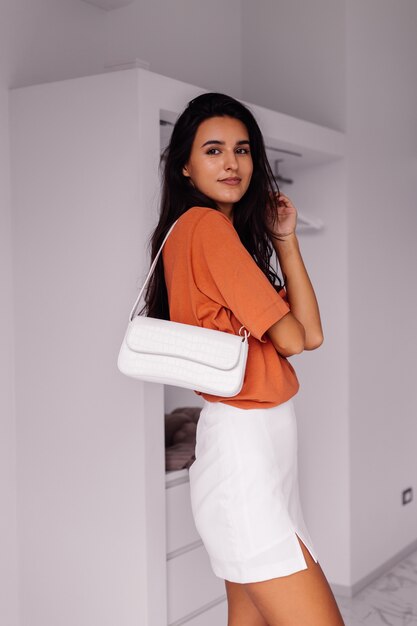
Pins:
x: 250, y: 214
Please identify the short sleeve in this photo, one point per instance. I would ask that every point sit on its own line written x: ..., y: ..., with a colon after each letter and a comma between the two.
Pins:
x: 226, y: 272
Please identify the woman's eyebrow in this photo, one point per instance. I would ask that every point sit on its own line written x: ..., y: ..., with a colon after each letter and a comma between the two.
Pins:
x: 221, y: 143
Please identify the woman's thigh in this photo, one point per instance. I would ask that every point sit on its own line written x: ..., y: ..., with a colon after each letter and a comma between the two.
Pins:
x: 304, y: 598
x: 241, y: 609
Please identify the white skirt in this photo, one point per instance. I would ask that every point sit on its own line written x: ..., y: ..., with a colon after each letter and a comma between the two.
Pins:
x: 244, y: 492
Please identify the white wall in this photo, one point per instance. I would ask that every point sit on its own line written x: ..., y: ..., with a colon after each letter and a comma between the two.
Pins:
x: 81, y: 458
x: 8, y: 519
x: 293, y: 55
x: 53, y: 40
x: 196, y: 42
x: 382, y: 192
x: 36, y: 44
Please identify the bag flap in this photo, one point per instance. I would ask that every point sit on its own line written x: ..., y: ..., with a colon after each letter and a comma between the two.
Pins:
x: 215, y: 348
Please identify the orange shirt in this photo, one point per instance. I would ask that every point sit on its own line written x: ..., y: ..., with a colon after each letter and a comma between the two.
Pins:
x: 214, y: 282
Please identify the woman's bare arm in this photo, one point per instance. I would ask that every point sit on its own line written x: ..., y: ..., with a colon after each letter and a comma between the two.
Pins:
x: 287, y: 335
x: 301, y: 328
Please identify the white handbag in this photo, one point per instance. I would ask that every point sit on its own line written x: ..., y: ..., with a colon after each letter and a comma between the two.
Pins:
x: 183, y: 355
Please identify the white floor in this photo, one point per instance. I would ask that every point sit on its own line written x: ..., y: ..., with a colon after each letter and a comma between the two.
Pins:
x: 391, y: 600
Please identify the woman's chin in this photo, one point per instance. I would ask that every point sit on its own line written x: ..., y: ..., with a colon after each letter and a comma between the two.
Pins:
x: 232, y: 196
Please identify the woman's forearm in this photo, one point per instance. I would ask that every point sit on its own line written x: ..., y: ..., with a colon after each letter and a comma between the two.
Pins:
x: 300, y: 292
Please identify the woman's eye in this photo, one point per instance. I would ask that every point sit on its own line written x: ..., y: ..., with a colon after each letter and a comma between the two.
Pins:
x: 245, y: 150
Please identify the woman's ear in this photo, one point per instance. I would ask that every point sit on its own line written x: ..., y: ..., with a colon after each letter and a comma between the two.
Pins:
x: 185, y: 171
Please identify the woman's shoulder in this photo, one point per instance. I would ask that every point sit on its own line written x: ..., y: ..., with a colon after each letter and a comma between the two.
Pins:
x: 196, y: 214
x: 200, y: 226
x: 206, y: 224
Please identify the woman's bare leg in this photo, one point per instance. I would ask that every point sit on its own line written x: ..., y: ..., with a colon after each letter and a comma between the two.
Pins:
x: 304, y: 598
x: 241, y: 609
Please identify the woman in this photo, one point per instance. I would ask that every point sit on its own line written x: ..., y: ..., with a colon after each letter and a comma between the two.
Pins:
x: 215, y: 272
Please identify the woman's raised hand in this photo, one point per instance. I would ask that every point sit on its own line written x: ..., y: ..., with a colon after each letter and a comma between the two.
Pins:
x: 286, y: 219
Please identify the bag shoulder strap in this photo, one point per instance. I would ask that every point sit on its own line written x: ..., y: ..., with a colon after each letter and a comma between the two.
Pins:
x: 132, y: 312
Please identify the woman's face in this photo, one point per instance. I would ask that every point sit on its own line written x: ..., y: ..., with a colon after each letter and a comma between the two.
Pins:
x: 220, y: 150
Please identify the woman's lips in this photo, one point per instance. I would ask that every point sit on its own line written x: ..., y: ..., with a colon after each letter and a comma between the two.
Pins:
x: 231, y: 182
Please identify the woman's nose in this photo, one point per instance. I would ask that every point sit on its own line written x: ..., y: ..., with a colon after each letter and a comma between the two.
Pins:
x: 230, y: 160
